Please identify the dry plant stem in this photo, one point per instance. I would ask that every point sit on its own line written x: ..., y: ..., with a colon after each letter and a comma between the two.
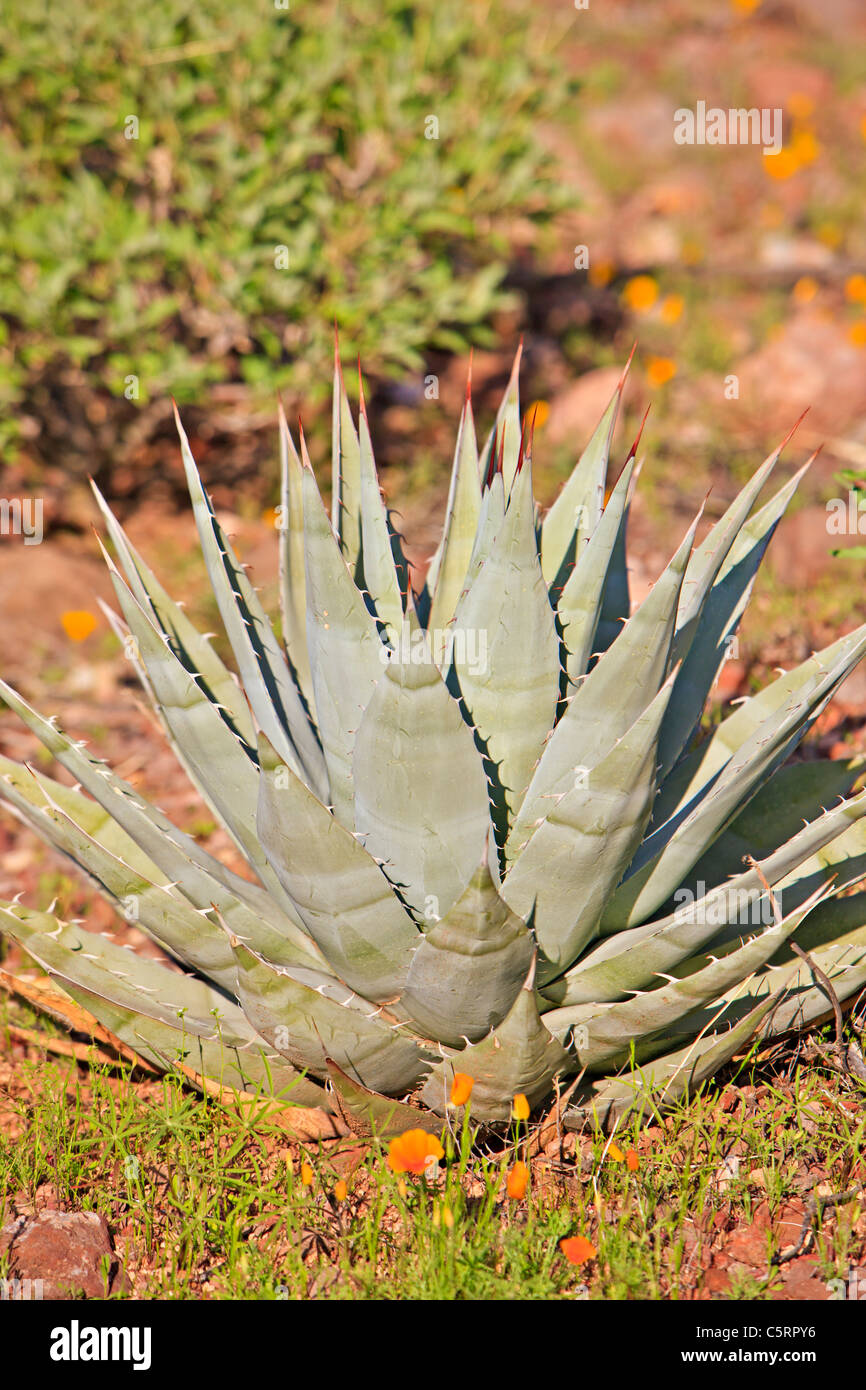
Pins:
x: 47, y: 998
x: 814, y: 1210
x: 61, y: 1047
x: 551, y: 1127
x: 299, y: 1122
x: 831, y: 995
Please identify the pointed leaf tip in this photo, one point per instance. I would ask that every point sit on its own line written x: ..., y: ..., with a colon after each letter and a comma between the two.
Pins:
x: 636, y: 445
x: 625, y: 369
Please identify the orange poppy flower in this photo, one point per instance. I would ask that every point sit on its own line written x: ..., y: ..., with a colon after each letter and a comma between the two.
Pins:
x: 306, y: 1175
x: 632, y: 1162
x: 671, y: 308
x: 517, y: 1180
x: 855, y: 288
x: 577, y: 1249
x: 615, y: 1152
x: 660, y: 370
x: 414, y: 1151
x: 782, y: 163
x: 77, y: 624
x: 602, y: 272
x: 640, y: 293
x: 520, y: 1109
x: 461, y: 1088
x: 805, y: 289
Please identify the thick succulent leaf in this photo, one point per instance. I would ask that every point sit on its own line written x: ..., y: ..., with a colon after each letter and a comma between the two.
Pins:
x: 341, y: 895
x: 156, y: 907
x: 708, y: 557
x: 828, y: 925
x: 518, y: 1057
x: 580, y: 601
x: 308, y: 1027
x: 616, y: 596
x: 293, y: 579
x: 842, y: 960
x: 670, y: 852
x: 834, y: 934
x: 344, y: 648
x: 576, y: 513
x: 273, y: 695
x: 776, y: 814
x: 602, y: 1038
x: 506, y: 432
x: 218, y: 763
x: 709, y: 641
x: 562, y: 878
x: 506, y: 652
x: 270, y: 925
x: 461, y: 524
x: 127, y: 638
x: 97, y: 963
x: 631, y: 960
x: 154, y: 1009
x: 696, y: 773
x: 346, y: 472
x: 490, y: 518
x: 29, y: 795
x: 662, y: 1082
x: 256, y: 1070
x: 412, y: 750
x: 190, y: 647
x: 376, y: 573
x: 469, y: 967
x: 365, y: 1113
x: 611, y: 698
x: 841, y: 862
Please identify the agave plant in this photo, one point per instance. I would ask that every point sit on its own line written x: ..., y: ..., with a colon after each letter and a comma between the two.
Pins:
x: 486, y: 829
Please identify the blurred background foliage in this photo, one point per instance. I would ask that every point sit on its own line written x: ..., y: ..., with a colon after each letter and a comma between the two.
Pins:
x: 279, y: 177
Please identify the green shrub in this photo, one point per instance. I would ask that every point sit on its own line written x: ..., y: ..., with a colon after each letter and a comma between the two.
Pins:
x: 153, y: 160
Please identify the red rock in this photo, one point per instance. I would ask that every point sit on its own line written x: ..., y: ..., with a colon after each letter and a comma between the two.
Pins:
x: 716, y: 1282
x: 802, y: 1280
x: 66, y: 1250
x: 810, y: 362
x: 748, y: 1244
x: 789, y: 1223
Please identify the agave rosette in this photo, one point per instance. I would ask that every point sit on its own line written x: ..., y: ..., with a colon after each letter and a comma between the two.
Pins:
x: 486, y: 830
